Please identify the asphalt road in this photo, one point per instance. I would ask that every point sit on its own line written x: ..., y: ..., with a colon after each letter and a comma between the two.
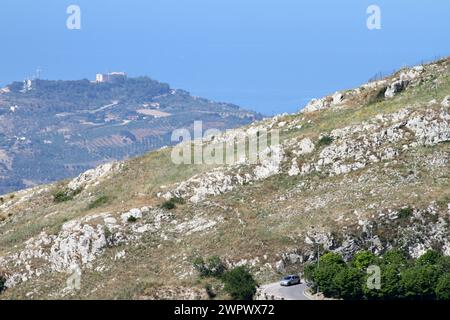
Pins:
x: 295, y: 292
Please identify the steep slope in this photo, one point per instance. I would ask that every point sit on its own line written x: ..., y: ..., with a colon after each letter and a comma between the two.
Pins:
x: 51, y: 130
x: 345, y: 167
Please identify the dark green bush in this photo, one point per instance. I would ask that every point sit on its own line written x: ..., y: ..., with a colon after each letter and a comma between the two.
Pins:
x: 132, y: 219
x: 172, y: 203
x: 100, y: 201
x: 169, y: 205
x: 325, y: 141
x: 348, y: 283
x: 429, y: 258
x: 404, y: 213
x: 420, y: 282
x: 401, y: 278
x: 65, y: 195
x: 443, y: 287
x: 213, y: 267
x: 239, y: 283
x: 323, y: 276
x: 61, y: 196
x: 363, y: 259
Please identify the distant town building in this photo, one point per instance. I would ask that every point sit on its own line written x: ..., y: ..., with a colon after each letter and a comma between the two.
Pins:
x: 113, y: 77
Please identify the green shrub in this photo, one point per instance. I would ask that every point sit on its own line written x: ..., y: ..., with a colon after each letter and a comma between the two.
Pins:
x: 429, y: 258
x: 395, y: 258
x: 65, y: 195
x: 322, y: 277
x: 325, y: 141
x: 404, y: 213
x: 427, y: 277
x: 61, y: 196
x: 169, y: 205
x: 444, y: 263
x: 132, y: 219
x: 348, y: 283
x: 172, y: 203
x: 178, y: 200
x: 363, y: 259
x: 213, y: 267
x: 239, y: 283
x: 390, y: 282
x: 443, y: 287
x: 100, y: 201
x: 420, y: 282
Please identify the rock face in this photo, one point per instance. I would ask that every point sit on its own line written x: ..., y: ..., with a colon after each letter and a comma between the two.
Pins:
x: 391, y: 88
x: 221, y: 180
x: 92, y: 177
x: 431, y: 232
x: 362, y: 175
x: 353, y: 148
x: 398, y: 85
x: 82, y: 241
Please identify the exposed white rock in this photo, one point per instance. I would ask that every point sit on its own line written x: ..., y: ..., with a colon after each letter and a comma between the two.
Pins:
x: 338, y: 97
x: 92, y: 177
x: 305, y: 146
x: 133, y: 213
x: 294, y: 170
x: 315, y: 105
x: 195, y: 225
x: 404, y: 81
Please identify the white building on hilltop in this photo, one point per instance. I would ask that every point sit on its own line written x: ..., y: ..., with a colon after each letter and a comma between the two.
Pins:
x: 112, y: 77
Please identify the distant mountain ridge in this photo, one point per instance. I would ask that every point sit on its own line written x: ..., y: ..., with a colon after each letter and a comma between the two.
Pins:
x: 53, y: 129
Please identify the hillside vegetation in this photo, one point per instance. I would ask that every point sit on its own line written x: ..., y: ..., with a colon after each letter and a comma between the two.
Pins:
x: 52, y: 130
x: 364, y: 169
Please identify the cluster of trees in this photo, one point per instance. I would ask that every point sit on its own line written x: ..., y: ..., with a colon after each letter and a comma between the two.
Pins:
x: 427, y: 277
x: 237, y: 282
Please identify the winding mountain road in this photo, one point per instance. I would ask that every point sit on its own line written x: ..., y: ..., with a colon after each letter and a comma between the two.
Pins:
x: 296, y: 292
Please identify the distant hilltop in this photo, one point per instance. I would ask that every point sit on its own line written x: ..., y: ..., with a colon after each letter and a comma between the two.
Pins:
x: 55, y: 129
x: 112, y: 77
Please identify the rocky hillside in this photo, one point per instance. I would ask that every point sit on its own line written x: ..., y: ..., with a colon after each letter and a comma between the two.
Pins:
x: 52, y: 130
x: 366, y: 168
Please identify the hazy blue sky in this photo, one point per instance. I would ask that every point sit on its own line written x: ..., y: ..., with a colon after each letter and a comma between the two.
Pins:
x: 267, y: 55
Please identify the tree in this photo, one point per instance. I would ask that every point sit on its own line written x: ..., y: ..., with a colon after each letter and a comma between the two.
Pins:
x: 444, y: 263
x: 419, y: 282
x: 395, y: 257
x: 331, y: 258
x: 348, y: 282
x: 390, y: 283
x: 330, y: 264
x: 443, y: 287
x: 429, y: 258
x: 363, y: 259
x: 239, y: 283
